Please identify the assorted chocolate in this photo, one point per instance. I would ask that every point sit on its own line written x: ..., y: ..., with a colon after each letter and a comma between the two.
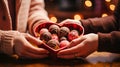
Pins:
x: 58, y: 37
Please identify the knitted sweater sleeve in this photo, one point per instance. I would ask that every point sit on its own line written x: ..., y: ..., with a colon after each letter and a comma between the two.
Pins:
x: 37, y: 14
x: 6, y: 41
x: 108, y: 32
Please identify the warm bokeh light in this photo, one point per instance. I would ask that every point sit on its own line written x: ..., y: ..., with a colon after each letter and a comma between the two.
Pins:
x: 104, y: 15
x: 107, y: 0
x: 112, y: 7
x: 54, y: 19
x: 88, y: 3
x: 77, y: 17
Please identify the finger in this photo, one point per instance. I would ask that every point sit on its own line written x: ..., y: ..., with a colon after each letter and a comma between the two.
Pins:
x: 63, y: 22
x: 68, y: 51
x: 76, y: 49
x: 33, y: 56
x: 37, y: 50
x: 67, y: 21
x: 33, y: 40
x: 76, y: 41
x: 34, y: 50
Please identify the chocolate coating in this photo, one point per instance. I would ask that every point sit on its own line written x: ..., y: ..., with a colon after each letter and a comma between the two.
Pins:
x: 73, y: 35
x: 43, y: 30
x: 53, y: 43
x: 63, y: 38
x: 64, y: 31
x: 46, y: 36
x: 54, y: 29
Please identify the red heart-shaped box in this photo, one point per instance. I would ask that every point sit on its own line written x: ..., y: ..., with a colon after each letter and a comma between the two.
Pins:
x: 70, y: 25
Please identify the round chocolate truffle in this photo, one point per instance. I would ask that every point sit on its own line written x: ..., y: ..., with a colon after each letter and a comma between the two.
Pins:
x: 46, y: 36
x: 64, y: 43
x: 73, y: 35
x: 54, y: 29
x: 63, y: 38
x: 53, y: 43
x: 64, y: 31
x: 43, y: 30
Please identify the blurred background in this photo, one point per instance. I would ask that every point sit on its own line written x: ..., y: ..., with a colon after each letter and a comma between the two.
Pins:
x: 59, y: 10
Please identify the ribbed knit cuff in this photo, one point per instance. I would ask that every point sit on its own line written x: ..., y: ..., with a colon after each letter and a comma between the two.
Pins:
x: 6, y: 41
x: 104, y: 42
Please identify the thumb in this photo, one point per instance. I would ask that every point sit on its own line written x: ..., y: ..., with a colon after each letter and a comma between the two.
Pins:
x: 33, y: 40
x: 76, y: 41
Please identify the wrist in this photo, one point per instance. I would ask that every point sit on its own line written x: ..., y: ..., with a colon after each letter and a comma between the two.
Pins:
x: 6, y: 44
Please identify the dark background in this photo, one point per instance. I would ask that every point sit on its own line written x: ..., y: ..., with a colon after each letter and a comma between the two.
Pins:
x: 64, y: 9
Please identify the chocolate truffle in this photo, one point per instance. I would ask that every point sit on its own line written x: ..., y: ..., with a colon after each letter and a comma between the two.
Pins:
x: 64, y: 43
x: 43, y: 30
x: 53, y: 43
x: 46, y: 36
x: 64, y: 31
x: 63, y: 38
x: 73, y: 35
x: 54, y: 29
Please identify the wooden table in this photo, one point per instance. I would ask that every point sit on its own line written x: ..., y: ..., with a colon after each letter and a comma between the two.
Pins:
x: 93, y: 60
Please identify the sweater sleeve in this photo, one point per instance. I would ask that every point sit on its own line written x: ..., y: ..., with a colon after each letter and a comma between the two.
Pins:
x: 37, y: 14
x: 6, y: 41
x: 104, y: 25
x: 109, y: 42
x: 107, y: 30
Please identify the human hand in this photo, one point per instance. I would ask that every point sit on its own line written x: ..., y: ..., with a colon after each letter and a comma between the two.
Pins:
x: 24, y: 49
x: 69, y: 21
x: 80, y: 47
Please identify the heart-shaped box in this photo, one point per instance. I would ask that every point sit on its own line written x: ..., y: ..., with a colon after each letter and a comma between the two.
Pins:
x: 70, y: 25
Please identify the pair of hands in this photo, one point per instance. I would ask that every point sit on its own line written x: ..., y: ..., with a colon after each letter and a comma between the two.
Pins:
x: 80, y: 47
